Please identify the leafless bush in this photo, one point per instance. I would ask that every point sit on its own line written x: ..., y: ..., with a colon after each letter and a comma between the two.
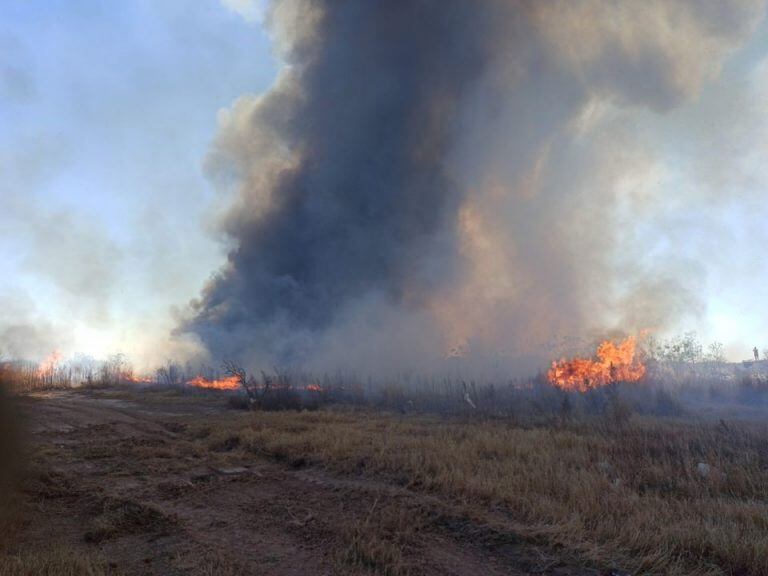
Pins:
x: 271, y: 392
x: 171, y: 374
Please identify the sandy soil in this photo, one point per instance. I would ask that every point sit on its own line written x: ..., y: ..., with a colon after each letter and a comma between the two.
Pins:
x: 126, y: 479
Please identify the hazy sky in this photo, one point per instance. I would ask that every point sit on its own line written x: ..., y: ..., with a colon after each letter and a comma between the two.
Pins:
x: 107, y: 113
x: 710, y: 172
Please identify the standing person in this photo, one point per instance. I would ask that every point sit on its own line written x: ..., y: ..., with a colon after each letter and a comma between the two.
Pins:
x: 756, y: 353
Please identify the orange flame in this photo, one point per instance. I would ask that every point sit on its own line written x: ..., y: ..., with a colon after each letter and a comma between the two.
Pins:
x: 226, y: 383
x: 615, y: 363
x: 48, y: 366
x: 314, y: 388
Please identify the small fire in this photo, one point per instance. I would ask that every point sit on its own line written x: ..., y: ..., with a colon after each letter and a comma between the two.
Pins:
x: 314, y: 388
x: 48, y: 366
x: 615, y: 363
x: 226, y: 383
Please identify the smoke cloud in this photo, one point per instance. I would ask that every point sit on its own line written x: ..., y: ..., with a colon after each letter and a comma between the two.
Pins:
x: 451, y: 176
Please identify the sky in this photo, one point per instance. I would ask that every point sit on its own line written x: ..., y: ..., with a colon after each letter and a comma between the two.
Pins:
x: 710, y: 166
x: 107, y: 112
x: 110, y: 209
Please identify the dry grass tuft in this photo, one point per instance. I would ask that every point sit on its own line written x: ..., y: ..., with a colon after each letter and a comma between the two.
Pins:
x: 121, y: 517
x: 382, y: 541
x: 57, y: 561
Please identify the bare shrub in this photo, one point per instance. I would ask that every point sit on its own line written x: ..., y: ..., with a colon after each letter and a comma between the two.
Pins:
x: 272, y: 392
x: 171, y: 374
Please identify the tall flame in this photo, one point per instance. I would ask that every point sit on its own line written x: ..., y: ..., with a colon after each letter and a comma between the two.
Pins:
x: 48, y: 366
x: 614, y: 363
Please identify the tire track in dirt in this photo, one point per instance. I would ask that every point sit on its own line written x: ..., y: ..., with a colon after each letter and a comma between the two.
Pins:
x: 121, y: 477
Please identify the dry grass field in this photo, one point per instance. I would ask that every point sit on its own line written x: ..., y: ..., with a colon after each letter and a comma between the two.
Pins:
x: 653, y: 497
x: 161, y: 482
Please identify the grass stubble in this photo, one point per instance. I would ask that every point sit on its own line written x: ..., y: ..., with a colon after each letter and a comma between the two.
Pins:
x: 649, y: 495
x: 653, y: 496
x: 53, y: 560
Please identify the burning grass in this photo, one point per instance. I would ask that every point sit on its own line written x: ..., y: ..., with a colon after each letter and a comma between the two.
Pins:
x: 614, y: 363
x: 596, y: 475
x: 653, y: 497
x: 643, y: 494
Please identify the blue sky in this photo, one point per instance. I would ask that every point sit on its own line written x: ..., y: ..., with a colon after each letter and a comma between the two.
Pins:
x: 107, y: 112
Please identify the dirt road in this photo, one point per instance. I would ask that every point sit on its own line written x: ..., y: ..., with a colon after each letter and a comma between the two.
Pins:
x: 134, y: 481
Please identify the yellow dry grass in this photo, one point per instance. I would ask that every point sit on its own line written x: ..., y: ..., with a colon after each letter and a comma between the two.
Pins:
x: 57, y: 561
x: 633, y: 496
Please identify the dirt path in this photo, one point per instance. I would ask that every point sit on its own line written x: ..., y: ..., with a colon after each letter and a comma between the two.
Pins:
x: 130, y: 481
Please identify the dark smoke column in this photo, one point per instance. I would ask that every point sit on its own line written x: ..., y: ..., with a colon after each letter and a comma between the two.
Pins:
x: 369, y: 117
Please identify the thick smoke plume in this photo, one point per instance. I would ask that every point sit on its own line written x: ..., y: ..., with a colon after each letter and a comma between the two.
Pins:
x: 449, y: 175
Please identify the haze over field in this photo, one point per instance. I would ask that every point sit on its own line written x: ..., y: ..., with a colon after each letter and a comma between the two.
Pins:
x: 367, y: 186
x: 406, y: 288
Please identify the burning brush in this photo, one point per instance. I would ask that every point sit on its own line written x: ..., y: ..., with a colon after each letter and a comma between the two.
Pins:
x: 225, y: 383
x: 47, y: 368
x: 613, y: 363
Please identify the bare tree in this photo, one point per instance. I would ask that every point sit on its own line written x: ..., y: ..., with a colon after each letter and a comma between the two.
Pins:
x: 716, y: 353
x: 233, y: 369
x: 171, y: 374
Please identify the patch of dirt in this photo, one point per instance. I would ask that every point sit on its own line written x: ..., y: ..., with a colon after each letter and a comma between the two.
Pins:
x: 127, y: 479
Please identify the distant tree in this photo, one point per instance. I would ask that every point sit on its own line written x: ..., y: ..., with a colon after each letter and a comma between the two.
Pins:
x: 653, y: 349
x: 171, y: 374
x: 684, y: 349
x: 671, y: 350
x: 693, y: 351
x: 83, y: 369
x: 716, y: 353
x: 115, y: 369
